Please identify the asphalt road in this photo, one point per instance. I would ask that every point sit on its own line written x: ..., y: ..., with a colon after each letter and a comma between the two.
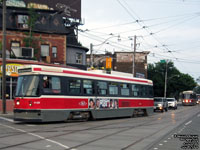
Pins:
x: 170, y: 130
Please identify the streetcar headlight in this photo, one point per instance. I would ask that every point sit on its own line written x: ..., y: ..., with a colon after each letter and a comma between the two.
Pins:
x: 17, y: 102
x: 30, y: 103
x: 160, y: 105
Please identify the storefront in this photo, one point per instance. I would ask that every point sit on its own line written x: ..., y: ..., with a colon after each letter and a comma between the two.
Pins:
x: 11, y: 79
x: 12, y: 66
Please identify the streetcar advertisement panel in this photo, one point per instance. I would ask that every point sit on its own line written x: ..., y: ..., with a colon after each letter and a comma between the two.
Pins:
x: 103, y: 103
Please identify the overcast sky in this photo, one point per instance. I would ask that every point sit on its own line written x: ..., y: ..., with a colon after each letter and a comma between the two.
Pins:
x: 169, y: 29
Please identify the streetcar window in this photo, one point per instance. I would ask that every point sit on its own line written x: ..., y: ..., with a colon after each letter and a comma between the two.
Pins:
x: 113, y: 88
x: 135, y: 90
x: 56, y: 85
x: 51, y: 85
x: 27, y: 86
x: 88, y: 87
x: 125, y: 89
x: 74, y: 86
x: 102, y: 88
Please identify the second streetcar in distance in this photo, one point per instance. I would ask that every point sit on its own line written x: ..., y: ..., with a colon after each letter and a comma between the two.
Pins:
x: 46, y: 94
x: 189, y: 98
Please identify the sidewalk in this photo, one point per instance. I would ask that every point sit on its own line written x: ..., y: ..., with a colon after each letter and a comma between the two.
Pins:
x: 7, y: 115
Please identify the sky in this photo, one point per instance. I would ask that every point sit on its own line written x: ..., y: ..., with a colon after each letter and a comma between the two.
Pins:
x: 168, y: 29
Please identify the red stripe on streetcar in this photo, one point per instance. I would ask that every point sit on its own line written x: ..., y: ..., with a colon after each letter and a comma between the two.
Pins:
x: 94, y: 75
x: 37, y: 69
x: 102, y: 76
x: 74, y: 103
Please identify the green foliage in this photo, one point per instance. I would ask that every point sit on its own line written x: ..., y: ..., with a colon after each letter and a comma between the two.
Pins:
x: 197, y: 89
x: 176, y: 83
x: 30, y: 40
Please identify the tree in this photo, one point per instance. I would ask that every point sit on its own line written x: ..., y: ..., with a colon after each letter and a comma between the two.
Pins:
x: 30, y: 40
x: 176, y: 83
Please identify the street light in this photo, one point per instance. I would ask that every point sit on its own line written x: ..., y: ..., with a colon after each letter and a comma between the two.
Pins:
x: 105, y: 41
x: 165, y: 92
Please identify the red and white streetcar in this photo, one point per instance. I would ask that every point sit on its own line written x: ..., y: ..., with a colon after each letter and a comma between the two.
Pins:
x: 46, y: 94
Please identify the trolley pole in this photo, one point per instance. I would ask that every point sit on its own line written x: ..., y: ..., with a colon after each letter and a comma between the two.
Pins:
x: 4, y: 60
x: 91, y: 55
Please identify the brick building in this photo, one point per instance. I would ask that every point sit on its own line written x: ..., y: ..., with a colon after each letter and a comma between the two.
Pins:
x: 123, y: 62
x: 44, y: 41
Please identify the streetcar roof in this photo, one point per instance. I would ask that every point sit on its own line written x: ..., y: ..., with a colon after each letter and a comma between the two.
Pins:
x: 188, y: 92
x: 49, y: 70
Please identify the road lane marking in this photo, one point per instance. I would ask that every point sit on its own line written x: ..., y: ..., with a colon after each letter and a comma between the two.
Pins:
x: 165, y: 141
x: 38, y: 136
x: 161, y: 144
x: 198, y: 115
x: 155, y: 148
x: 188, y: 122
x: 48, y: 146
x: 7, y: 119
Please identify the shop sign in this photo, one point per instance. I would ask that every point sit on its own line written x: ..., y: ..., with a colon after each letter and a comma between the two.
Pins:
x: 11, y: 69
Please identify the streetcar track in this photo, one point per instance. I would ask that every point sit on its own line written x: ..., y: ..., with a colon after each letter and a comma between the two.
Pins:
x: 144, y: 119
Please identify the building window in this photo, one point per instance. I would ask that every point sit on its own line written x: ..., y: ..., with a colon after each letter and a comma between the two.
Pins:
x: 44, y: 50
x: 15, y: 47
x: 79, y: 57
x: 22, y: 21
x: 54, y: 52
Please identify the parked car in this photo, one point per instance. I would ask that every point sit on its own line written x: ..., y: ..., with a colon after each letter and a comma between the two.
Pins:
x: 172, y: 103
x: 160, y: 103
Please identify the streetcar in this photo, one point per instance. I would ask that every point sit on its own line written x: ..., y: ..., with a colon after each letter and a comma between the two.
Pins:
x: 46, y: 94
x: 189, y: 98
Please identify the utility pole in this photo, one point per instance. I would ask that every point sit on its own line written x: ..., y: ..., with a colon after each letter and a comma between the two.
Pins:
x: 91, y: 55
x: 165, y: 90
x: 134, y: 53
x: 4, y: 59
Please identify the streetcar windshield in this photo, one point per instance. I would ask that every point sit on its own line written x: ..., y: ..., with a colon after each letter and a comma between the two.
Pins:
x: 186, y: 96
x: 27, y: 86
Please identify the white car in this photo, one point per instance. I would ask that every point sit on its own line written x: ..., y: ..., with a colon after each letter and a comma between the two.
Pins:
x: 172, y: 103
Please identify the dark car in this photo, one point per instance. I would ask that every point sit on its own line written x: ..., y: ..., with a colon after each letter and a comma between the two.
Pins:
x: 160, y: 103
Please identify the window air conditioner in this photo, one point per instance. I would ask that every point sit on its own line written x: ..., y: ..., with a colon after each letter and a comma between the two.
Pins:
x: 27, y: 52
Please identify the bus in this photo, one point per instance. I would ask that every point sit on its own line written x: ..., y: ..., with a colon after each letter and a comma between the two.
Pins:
x: 46, y: 94
x: 189, y: 98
